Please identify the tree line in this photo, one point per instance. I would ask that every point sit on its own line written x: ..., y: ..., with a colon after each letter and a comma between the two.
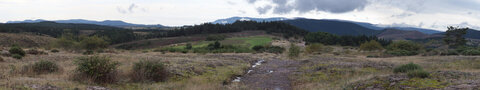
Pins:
x: 331, y: 39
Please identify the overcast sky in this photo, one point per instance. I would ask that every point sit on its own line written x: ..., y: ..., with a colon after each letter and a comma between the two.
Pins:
x: 433, y: 14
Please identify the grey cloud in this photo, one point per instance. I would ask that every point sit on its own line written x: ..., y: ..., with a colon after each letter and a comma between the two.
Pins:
x: 403, y: 15
x: 263, y: 10
x: 251, y: 1
x: 231, y: 3
x: 130, y: 9
x: 303, y: 6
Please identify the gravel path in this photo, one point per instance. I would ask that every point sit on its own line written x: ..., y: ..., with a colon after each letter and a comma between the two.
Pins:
x: 271, y: 75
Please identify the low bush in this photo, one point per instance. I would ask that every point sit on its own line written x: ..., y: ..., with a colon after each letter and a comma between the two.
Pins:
x: 407, y: 67
x: 97, y: 69
x: 318, y: 48
x: 293, y: 51
x: 275, y: 49
x: 258, y: 48
x: 404, y: 48
x: 17, y: 50
x: 418, y: 73
x: 146, y: 71
x: 269, y: 49
x: 216, y: 37
x: 371, y: 46
x: 54, y: 51
x: 41, y: 67
x: 188, y: 46
x: 1, y: 59
x: 471, y: 52
x: 401, y: 53
x: 17, y: 56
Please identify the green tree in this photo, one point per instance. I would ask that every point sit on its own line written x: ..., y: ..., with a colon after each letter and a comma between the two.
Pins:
x: 371, y: 46
x: 454, y: 37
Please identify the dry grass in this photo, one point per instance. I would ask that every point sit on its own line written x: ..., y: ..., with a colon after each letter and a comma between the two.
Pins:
x: 24, y: 40
x: 189, y: 71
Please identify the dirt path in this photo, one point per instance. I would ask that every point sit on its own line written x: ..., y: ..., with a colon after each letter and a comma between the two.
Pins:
x: 271, y: 75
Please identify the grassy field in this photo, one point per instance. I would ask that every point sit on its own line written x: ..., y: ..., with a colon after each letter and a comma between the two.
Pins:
x: 243, y: 44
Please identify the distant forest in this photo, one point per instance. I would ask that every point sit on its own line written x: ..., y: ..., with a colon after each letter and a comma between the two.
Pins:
x: 121, y: 35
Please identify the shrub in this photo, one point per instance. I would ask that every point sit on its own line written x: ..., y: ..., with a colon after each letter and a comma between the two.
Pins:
x: 17, y: 50
x: 404, y: 48
x: 418, y: 73
x: 216, y: 37
x: 317, y: 48
x: 1, y: 59
x: 407, y: 67
x: 471, y: 52
x: 371, y: 46
x: 149, y: 71
x: 54, y: 51
x: 275, y: 49
x: 188, y: 46
x: 258, y: 48
x: 215, y: 45
x: 16, y: 56
x: 41, y: 67
x: 93, y: 43
x: 293, y: 51
x: 97, y: 69
x: 401, y: 53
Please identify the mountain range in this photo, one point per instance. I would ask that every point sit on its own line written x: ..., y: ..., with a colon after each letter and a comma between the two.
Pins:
x: 334, y: 26
x: 114, y: 23
x: 324, y: 21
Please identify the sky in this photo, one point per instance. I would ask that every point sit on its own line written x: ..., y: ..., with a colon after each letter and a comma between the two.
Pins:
x: 431, y: 14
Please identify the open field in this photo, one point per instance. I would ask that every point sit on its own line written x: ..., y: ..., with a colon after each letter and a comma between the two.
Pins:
x: 217, y: 71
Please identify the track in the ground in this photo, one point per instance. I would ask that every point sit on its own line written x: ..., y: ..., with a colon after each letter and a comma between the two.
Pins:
x: 271, y: 75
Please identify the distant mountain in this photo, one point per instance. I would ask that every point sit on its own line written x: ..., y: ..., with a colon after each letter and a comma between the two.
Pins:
x: 363, y: 24
x: 332, y: 26
x: 471, y: 33
x: 115, y: 23
x: 379, y: 27
x: 395, y: 34
x: 233, y: 19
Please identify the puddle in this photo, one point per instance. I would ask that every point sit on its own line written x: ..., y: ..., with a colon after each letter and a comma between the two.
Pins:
x: 237, y: 79
x: 258, y: 63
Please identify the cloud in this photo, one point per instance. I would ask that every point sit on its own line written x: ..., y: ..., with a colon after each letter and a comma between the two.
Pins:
x: 231, y: 3
x: 304, y: 6
x: 130, y: 9
x: 263, y: 10
x: 251, y: 1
